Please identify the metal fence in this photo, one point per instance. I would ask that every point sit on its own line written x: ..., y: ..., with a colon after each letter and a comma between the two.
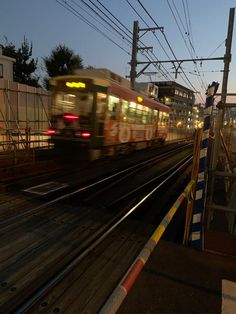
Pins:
x: 222, y: 196
x: 24, y: 117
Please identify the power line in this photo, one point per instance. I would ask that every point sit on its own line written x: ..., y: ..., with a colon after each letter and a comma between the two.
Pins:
x: 94, y: 18
x: 114, y: 17
x: 107, y: 10
x: 104, y: 20
x: 66, y: 5
x: 71, y: 9
x: 165, y: 74
x: 179, y: 65
x: 223, y: 42
x: 192, y: 52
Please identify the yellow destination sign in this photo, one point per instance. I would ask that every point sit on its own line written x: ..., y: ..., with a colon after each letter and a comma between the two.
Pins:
x: 75, y: 84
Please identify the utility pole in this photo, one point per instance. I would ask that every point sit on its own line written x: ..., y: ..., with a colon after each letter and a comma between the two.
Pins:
x: 220, y: 116
x: 135, y: 48
x: 133, y: 62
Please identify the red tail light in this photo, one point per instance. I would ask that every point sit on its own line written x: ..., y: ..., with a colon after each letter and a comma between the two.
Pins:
x: 50, y: 132
x: 70, y: 116
x: 86, y: 134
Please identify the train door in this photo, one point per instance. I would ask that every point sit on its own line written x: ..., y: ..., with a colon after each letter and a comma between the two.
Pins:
x: 112, y: 120
x: 155, y: 122
x: 100, y: 113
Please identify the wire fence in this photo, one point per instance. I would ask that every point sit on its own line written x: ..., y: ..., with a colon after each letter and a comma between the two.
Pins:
x: 24, y: 118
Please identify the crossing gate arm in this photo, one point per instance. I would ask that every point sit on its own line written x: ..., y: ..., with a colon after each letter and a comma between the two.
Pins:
x: 118, y: 295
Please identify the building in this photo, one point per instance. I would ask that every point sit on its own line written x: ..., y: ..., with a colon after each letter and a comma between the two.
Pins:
x: 24, y: 111
x: 6, y: 67
x: 181, y: 101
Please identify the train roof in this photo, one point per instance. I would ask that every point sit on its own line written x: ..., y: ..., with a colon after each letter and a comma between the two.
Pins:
x: 96, y: 80
x: 117, y: 85
x: 105, y: 74
x: 132, y: 95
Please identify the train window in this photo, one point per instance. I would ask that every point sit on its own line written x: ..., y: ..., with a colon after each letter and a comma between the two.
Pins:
x: 139, y: 113
x: 84, y: 104
x: 160, y: 122
x: 101, y: 103
x: 113, y: 103
x: 64, y: 102
x: 155, y: 116
x: 124, y: 110
x: 163, y: 119
x: 131, y: 112
x: 145, y: 115
x: 100, y: 113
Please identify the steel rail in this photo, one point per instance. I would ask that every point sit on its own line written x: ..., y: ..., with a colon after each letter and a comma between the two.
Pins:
x: 190, y: 157
x: 148, y: 163
x: 67, y: 269
x: 82, y: 189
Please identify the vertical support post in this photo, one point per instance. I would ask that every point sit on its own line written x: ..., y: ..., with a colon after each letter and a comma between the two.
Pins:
x: 194, y: 176
x: 220, y: 116
x: 133, y: 62
x: 27, y: 124
x: 199, y: 206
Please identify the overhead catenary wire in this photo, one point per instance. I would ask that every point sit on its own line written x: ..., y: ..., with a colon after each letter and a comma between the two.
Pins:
x: 218, y: 47
x: 191, y: 41
x: 94, y: 17
x: 147, y: 55
x: 165, y: 74
x: 107, y: 20
x: 69, y: 6
x: 145, y: 23
x: 190, y: 49
x: 121, y: 33
x: 71, y: 9
x: 186, y: 79
x: 114, y: 17
x: 101, y: 14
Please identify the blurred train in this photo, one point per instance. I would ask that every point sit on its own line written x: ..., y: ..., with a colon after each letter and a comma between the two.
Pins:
x: 95, y: 111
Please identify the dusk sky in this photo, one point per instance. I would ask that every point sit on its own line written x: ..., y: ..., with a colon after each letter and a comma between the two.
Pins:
x: 203, y: 25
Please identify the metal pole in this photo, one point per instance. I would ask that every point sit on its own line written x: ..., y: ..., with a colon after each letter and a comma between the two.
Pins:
x: 133, y: 62
x: 220, y: 116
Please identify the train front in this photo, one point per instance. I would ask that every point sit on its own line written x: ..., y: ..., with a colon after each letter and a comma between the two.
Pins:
x: 71, y: 114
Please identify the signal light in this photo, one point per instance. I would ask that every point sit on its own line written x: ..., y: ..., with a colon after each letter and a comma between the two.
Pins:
x: 86, y: 134
x: 50, y: 132
x: 70, y: 116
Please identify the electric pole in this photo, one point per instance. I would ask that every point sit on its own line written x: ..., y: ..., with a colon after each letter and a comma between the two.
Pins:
x: 133, y: 62
x: 220, y: 116
x: 135, y: 48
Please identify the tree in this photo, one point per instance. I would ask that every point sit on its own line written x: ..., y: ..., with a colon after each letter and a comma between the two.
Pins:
x: 25, y: 66
x: 61, y: 61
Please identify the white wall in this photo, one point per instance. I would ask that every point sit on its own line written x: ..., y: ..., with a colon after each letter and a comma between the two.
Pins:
x: 7, y: 64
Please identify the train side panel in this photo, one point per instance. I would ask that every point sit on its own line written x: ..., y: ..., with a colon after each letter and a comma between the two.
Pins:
x: 101, y: 117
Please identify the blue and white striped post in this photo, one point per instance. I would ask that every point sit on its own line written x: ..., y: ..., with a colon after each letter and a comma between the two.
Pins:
x: 200, y: 196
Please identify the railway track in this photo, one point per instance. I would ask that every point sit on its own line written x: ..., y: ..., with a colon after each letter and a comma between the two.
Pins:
x: 93, y: 182
x: 50, y: 241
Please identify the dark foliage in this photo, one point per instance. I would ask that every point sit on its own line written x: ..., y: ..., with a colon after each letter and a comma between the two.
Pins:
x: 62, y: 61
x: 25, y: 66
